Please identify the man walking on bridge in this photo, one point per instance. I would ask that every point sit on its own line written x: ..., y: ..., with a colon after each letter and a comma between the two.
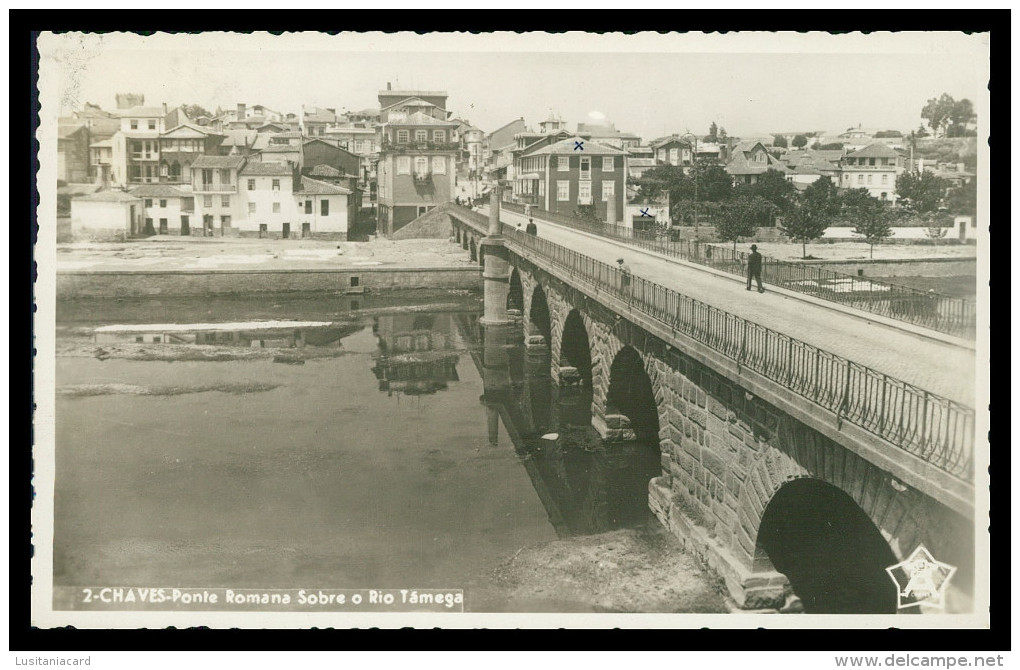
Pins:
x: 625, y: 275
x: 754, y: 268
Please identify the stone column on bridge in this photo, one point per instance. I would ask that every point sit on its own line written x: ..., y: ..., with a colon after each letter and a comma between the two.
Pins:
x: 497, y: 339
x: 496, y: 272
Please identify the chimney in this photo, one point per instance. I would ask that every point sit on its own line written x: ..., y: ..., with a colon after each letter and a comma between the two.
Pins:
x: 164, y: 109
x: 240, y: 111
x: 389, y: 86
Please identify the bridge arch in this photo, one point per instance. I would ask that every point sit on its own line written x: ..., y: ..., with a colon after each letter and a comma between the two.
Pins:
x: 828, y: 548
x: 575, y: 346
x: 539, y: 320
x: 515, y: 297
x: 631, y: 394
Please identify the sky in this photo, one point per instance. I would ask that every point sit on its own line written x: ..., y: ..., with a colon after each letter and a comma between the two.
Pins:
x: 654, y: 85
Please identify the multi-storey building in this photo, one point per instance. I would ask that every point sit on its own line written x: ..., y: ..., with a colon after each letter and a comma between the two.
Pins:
x: 875, y: 168
x: 179, y: 147
x: 136, y: 145
x: 316, y: 121
x: 214, y: 182
x: 417, y: 157
x: 750, y: 160
x: 574, y: 172
x: 673, y: 151
x: 73, y: 152
x: 361, y: 141
x: 267, y: 197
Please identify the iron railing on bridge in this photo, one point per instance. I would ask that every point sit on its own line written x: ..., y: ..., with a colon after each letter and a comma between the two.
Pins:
x: 945, y: 314
x: 936, y: 429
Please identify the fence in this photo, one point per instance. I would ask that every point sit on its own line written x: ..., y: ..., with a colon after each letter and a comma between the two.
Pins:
x: 945, y: 314
x: 935, y: 429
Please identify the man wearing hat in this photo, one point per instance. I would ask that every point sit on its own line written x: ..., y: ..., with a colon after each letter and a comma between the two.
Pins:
x: 754, y: 268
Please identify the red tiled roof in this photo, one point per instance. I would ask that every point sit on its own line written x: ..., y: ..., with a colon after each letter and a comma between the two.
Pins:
x: 266, y: 169
x: 315, y: 187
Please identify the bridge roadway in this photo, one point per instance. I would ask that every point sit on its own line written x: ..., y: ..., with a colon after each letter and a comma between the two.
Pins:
x: 904, y: 352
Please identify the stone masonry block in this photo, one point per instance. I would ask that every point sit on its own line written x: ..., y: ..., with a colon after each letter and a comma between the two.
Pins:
x: 717, y: 408
x: 698, y: 416
x: 701, y: 398
x: 714, y: 464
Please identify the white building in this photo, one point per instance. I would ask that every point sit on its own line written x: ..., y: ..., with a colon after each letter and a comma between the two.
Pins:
x: 266, y: 192
x: 166, y: 209
x: 106, y: 215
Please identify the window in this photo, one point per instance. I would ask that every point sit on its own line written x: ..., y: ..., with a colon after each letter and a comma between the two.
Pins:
x: 225, y: 177
x: 871, y: 161
x: 421, y: 164
x: 563, y: 164
x: 584, y: 193
x: 585, y: 168
x: 885, y: 179
x: 324, y: 207
x: 308, y: 206
x: 162, y: 203
x: 225, y: 221
x: 251, y: 184
x: 225, y: 200
x: 541, y: 188
x: 608, y: 164
x: 276, y: 184
x: 869, y: 178
x: 402, y: 136
x: 860, y: 179
x: 439, y: 164
x: 207, y: 201
x: 421, y: 136
x: 134, y: 124
x: 251, y: 207
x: 206, y: 177
x: 152, y: 124
x: 276, y: 208
x: 563, y: 191
x: 438, y: 135
x: 608, y: 190
x: 148, y: 203
x: 674, y: 155
x: 403, y: 165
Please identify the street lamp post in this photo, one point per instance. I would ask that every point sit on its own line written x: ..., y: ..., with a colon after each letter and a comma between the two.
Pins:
x: 694, y: 156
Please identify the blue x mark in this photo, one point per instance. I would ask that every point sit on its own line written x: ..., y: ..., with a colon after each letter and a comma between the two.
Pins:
x: 578, y: 145
x: 644, y: 212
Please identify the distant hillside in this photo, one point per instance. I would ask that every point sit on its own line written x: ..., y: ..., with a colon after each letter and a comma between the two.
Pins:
x: 949, y: 150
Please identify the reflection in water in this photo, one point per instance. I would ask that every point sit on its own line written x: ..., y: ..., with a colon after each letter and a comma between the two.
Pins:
x: 279, y: 334
x: 416, y: 353
x: 585, y: 485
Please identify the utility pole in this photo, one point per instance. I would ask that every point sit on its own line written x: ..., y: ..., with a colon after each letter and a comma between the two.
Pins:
x: 694, y: 169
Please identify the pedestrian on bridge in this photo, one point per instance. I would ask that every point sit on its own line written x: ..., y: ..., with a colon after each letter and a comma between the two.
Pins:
x: 754, y: 268
x: 624, y: 275
x: 532, y: 229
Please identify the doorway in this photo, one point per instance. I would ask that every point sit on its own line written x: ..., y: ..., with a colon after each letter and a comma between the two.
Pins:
x: 286, y: 231
x: 306, y: 229
x: 185, y: 225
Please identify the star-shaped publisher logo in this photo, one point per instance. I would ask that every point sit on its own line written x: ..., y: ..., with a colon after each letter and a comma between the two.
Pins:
x: 921, y: 580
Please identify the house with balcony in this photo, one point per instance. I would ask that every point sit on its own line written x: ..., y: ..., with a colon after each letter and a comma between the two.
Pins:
x: 416, y: 169
x: 525, y: 144
x: 361, y: 141
x: 214, y: 182
x: 561, y: 177
x: 165, y: 209
x: 101, y: 160
x: 136, y: 145
x: 179, y: 147
x: 875, y: 168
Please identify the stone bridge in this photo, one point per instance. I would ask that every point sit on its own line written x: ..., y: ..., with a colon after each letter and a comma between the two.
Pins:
x: 781, y: 490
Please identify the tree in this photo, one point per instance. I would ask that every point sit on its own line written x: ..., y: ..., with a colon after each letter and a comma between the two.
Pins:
x: 817, y: 145
x: 921, y: 132
x: 799, y: 142
x: 714, y: 183
x: 888, y: 133
x: 713, y: 133
x: 819, y: 205
x: 873, y: 218
x: 938, y: 111
x: 722, y: 135
x: 936, y: 232
x: 663, y: 180
x: 963, y: 200
x: 961, y: 114
x: 773, y: 187
x: 195, y: 111
x: 832, y: 146
x: 780, y: 141
x: 924, y: 191
x: 742, y: 217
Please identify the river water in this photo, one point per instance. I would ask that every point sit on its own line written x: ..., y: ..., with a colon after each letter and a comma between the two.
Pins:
x: 353, y: 452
